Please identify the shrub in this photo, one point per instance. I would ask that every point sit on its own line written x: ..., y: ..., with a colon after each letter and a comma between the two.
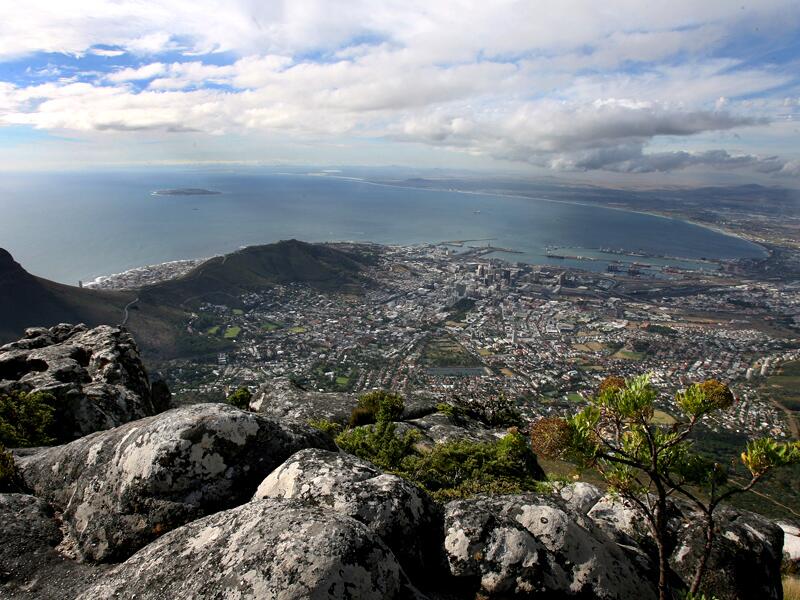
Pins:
x: 455, y: 469
x: 379, y: 444
x: 330, y: 428
x: 449, y: 410
x: 550, y: 436
x: 240, y: 398
x: 26, y: 419
x: 640, y: 458
x: 462, y: 468
x: 377, y: 406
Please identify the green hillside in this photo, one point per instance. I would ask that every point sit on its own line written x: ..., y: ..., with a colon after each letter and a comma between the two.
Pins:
x: 158, y: 313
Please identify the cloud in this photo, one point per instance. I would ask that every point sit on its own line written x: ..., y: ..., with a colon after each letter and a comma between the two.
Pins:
x: 144, y: 72
x: 564, y: 85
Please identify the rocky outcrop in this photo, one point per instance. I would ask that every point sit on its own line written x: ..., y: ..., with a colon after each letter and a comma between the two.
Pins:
x: 400, y: 513
x: 745, y: 560
x: 439, y: 428
x: 282, y: 399
x: 122, y: 488
x: 95, y: 375
x: 30, y: 565
x: 791, y: 541
x: 521, y: 546
x: 264, y: 549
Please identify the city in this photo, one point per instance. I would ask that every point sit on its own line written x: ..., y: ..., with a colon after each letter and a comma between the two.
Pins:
x: 452, y: 321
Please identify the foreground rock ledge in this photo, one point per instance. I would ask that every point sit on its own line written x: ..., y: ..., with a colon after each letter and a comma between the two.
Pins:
x: 263, y: 549
x: 122, y: 488
x: 399, y: 512
x: 523, y: 546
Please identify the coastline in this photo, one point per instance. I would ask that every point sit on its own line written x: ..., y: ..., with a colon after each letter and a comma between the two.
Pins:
x: 681, y: 219
x: 152, y: 273
x: 145, y: 275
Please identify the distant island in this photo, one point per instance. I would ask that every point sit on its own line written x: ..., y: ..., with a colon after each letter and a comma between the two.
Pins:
x: 186, y: 192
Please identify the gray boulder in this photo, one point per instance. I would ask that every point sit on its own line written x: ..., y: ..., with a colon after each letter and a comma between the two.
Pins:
x: 264, y: 549
x: 31, y: 567
x: 122, y: 488
x: 282, y: 399
x: 521, y: 546
x: 745, y: 560
x: 746, y: 557
x: 96, y: 376
x: 440, y: 428
x: 580, y: 496
x: 403, y: 515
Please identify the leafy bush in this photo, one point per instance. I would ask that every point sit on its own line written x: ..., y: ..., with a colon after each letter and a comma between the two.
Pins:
x: 379, y: 444
x: 375, y: 406
x: 449, y: 410
x: 462, y: 468
x: 452, y: 470
x: 240, y: 398
x: 550, y: 436
x: 639, y: 458
x: 326, y: 426
x: 26, y: 419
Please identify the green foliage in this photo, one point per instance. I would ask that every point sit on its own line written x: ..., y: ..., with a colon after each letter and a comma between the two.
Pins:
x: 379, y: 444
x: 630, y: 402
x: 452, y: 470
x: 8, y: 470
x: 765, y: 453
x: 240, y: 398
x: 616, y: 434
x: 26, y: 418
x: 330, y: 428
x: 449, y: 410
x: 704, y: 398
x: 378, y: 406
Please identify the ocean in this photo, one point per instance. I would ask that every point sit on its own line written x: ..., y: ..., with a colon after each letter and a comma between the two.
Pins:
x: 78, y: 226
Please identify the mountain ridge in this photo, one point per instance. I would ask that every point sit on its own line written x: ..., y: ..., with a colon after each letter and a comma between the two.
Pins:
x: 157, y: 312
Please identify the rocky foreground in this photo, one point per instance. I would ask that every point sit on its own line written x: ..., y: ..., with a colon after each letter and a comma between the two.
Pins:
x: 209, y: 501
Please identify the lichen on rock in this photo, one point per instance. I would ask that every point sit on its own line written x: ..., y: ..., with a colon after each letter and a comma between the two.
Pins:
x: 122, y: 488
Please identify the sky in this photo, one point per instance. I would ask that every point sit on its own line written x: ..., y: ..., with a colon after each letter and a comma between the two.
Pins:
x: 639, y: 91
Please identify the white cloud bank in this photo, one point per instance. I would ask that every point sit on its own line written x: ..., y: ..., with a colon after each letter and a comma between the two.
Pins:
x: 574, y: 85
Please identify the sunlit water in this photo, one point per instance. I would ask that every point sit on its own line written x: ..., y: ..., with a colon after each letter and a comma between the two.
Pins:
x: 71, y: 227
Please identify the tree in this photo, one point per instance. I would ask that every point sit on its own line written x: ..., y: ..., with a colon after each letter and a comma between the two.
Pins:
x: 647, y: 463
x: 240, y: 398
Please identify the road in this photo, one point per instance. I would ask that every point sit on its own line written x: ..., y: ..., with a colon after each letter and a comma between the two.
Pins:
x: 125, y: 310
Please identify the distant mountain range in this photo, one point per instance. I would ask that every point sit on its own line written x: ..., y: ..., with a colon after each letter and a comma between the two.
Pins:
x: 157, y: 314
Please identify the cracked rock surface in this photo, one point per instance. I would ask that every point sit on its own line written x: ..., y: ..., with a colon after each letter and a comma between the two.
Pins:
x: 122, y: 488
x: 263, y: 549
x: 524, y: 545
x: 399, y: 512
x: 95, y: 375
